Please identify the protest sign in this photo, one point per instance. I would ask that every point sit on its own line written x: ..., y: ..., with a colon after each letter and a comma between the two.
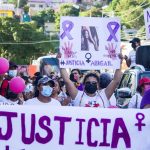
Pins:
x: 147, y: 22
x: 76, y: 128
x: 89, y: 42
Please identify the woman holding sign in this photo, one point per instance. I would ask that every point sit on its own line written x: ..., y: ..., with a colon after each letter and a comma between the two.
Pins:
x: 91, y: 96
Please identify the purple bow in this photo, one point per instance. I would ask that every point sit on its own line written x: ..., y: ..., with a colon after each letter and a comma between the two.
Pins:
x: 67, y: 27
x: 113, y: 31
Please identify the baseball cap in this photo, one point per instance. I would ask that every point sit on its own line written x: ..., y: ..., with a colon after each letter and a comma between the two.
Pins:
x: 134, y: 40
x: 46, y: 80
x: 12, y: 64
x: 144, y: 81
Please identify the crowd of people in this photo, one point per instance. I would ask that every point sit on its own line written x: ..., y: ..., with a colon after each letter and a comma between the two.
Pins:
x: 92, y: 89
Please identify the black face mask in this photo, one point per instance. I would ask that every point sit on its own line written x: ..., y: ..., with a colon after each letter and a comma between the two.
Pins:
x: 133, y: 45
x: 90, y: 88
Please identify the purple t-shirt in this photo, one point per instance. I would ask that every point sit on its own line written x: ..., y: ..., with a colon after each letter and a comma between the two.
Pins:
x: 80, y: 87
x: 145, y: 99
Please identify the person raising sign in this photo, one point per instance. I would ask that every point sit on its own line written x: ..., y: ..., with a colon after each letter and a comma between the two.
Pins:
x: 91, y: 96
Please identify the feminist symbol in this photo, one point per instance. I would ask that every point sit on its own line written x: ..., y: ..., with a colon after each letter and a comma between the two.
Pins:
x: 140, y: 117
x: 67, y: 27
x: 88, y: 56
x: 113, y: 31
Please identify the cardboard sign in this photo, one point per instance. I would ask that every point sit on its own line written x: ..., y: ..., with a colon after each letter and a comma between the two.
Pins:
x: 89, y: 43
x: 76, y: 128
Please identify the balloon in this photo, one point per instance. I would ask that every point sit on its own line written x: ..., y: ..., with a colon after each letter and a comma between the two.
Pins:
x: 17, y: 85
x: 4, y: 65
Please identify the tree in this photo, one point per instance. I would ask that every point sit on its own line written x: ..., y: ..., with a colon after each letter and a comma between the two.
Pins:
x: 27, y: 36
x: 66, y: 10
x: 44, y: 16
x: 93, y: 12
x: 130, y: 11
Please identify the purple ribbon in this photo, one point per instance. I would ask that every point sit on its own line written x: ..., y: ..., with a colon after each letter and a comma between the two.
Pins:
x: 112, y: 30
x: 67, y: 27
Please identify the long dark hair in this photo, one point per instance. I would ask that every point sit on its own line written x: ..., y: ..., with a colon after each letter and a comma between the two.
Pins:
x: 91, y: 74
x: 85, y: 45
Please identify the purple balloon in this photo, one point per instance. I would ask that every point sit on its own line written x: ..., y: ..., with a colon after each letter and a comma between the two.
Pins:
x: 17, y: 85
x: 4, y: 65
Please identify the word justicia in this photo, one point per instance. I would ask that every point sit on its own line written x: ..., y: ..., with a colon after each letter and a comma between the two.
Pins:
x: 30, y: 123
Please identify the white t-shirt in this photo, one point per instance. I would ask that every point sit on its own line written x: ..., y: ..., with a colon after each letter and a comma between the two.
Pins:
x: 99, y: 100
x: 135, y: 101
x: 113, y: 100
x: 132, y: 57
x: 35, y: 101
x: 4, y: 101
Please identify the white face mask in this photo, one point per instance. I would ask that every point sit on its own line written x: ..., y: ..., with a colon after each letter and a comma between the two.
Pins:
x: 46, y: 91
x: 12, y: 73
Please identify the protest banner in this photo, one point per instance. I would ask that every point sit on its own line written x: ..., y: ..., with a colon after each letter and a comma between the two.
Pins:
x: 147, y: 22
x: 89, y: 42
x: 76, y: 128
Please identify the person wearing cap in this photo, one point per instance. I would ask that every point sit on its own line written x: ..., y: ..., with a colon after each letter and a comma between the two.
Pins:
x: 131, y: 59
x: 144, y: 85
x: 45, y: 89
x: 12, y: 72
x: 145, y: 103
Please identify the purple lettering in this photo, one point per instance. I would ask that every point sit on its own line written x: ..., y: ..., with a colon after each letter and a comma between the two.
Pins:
x: 9, y: 116
x: 7, y: 147
x: 105, y: 122
x: 116, y: 136
x: 29, y: 140
x: 47, y: 129
x: 89, y: 135
x: 80, y: 131
x: 62, y: 127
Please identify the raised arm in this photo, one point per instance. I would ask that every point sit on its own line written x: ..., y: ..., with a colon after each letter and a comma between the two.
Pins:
x: 72, y: 90
x: 113, y: 84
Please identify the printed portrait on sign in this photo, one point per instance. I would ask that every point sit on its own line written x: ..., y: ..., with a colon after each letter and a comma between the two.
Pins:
x: 89, y: 38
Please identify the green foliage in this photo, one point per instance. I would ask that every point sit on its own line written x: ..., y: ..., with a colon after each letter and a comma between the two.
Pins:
x: 44, y: 16
x: 66, y: 10
x: 130, y: 12
x: 22, y: 3
x: 27, y: 37
x: 26, y: 9
x: 93, y: 12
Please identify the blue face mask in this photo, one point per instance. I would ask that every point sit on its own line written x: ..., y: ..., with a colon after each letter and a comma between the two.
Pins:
x: 12, y: 73
x: 46, y: 91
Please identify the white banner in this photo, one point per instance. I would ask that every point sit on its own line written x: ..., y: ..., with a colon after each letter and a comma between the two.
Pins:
x: 147, y: 22
x: 89, y: 42
x: 73, y: 128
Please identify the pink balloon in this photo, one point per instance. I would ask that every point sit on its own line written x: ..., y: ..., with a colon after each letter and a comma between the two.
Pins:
x: 4, y: 65
x: 17, y: 85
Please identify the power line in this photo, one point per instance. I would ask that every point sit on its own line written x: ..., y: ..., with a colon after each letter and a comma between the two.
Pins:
x: 27, y: 43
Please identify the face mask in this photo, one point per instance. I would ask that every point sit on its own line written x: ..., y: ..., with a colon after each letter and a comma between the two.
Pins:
x: 12, y: 73
x: 29, y: 88
x: 46, y: 91
x: 146, y: 88
x: 90, y: 88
